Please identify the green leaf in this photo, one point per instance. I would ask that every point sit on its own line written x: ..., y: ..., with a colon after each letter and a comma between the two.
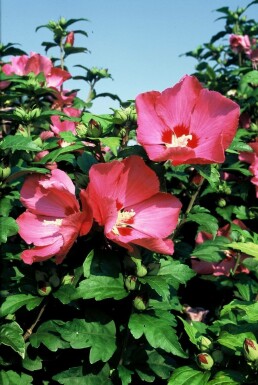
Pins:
x: 157, y: 283
x: 125, y: 375
x: 99, y: 336
x: 227, y: 377
x: 32, y: 365
x: 85, y: 161
x: 186, y: 375
x: 16, y: 301
x: 11, y: 335
x: 234, y: 341
x: 211, y: 250
x: 191, y: 331
x: 12, y: 378
x: 158, y: 365
x: 8, y: 227
x: 247, y: 248
x: 48, y: 335
x: 206, y: 221
x: 249, y: 308
x: 66, y: 294
x: 101, y: 287
x: 175, y: 272
x: 209, y: 172
x: 112, y: 142
x: 158, y: 330
x: 18, y: 142
x: 75, y: 376
x: 53, y: 156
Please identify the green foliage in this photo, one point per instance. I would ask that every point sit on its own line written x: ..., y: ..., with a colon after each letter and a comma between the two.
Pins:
x: 107, y: 314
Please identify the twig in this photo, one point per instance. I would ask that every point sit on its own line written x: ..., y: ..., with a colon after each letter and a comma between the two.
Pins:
x: 29, y: 331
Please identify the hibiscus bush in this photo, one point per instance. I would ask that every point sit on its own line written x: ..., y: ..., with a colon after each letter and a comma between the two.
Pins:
x: 129, y: 240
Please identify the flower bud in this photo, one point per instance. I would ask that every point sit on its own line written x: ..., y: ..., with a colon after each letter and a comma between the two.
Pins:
x: 5, y: 171
x: 94, y: 129
x: 131, y: 282
x: 217, y: 356
x: 67, y: 279
x: 222, y: 202
x: 69, y: 41
x: 44, y: 288
x: 205, y: 344
x: 204, y: 361
x: 139, y: 303
x: 250, y: 349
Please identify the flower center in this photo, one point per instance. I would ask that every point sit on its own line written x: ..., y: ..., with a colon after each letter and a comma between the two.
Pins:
x: 124, y: 220
x: 56, y: 222
x: 177, y: 137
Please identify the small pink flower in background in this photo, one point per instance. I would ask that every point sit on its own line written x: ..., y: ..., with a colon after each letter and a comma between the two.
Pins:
x: 186, y: 124
x: 4, y: 84
x: 71, y: 111
x: 63, y: 99
x: 53, y: 219
x: 225, y: 266
x: 69, y: 41
x: 125, y: 199
x: 254, y: 58
x: 58, y: 126
x: 240, y: 43
x: 252, y: 158
x: 23, y: 65
x: 197, y: 314
x: 36, y: 63
x: 48, y: 165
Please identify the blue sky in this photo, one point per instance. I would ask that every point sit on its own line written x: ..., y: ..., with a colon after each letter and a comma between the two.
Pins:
x: 139, y: 41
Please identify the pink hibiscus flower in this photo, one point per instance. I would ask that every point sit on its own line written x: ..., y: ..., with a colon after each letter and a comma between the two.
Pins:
x: 125, y: 199
x: 240, y: 43
x: 252, y: 158
x: 225, y: 266
x: 53, y: 219
x: 186, y: 124
x: 36, y: 63
x: 58, y: 126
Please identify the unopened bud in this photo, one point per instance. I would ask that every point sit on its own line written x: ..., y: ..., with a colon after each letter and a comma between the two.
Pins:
x: 67, y: 279
x: 94, y: 129
x: 205, y: 344
x: 250, y: 349
x: 5, y: 171
x: 44, y: 288
x: 69, y: 41
x: 204, y: 361
x: 222, y: 202
x: 131, y: 282
x: 139, y: 303
x: 141, y: 270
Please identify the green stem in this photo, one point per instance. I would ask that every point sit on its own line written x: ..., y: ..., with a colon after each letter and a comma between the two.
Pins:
x: 29, y: 331
x: 189, y: 208
x: 238, y: 260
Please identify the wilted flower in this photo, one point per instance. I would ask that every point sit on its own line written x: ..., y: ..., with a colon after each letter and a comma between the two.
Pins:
x: 53, y: 219
x: 125, y: 199
x: 186, y: 123
x: 196, y: 314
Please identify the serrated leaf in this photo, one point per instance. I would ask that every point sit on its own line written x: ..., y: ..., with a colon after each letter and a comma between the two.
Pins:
x: 12, y: 378
x: 191, y: 331
x: 175, y: 272
x: 124, y: 374
x: 234, y: 341
x: 48, y: 335
x: 18, y: 142
x: 247, y: 248
x: 85, y: 161
x: 11, y: 335
x: 8, y: 227
x: 101, y: 287
x: 157, y: 283
x: 16, y: 301
x: 211, y: 250
x: 53, y: 156
x: 206, y: 222
x: 250, y: 309
x: 227, y: 377
x: 158, y: 331
x: 112, y: 142
x: 32, y: 365
x: 99, y: 337
x: 209, y: 172
x: 75, y: 376
x: 186, y: 375
x: 66, y: 294
x: 158, y: 365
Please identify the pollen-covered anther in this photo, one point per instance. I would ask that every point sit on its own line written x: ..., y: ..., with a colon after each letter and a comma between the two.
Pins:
x: 180, y: 141
x: 124, y: 219
x: 56, y: 222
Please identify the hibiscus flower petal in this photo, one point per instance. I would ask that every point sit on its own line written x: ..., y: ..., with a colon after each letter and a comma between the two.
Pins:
x: 39, y: 254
